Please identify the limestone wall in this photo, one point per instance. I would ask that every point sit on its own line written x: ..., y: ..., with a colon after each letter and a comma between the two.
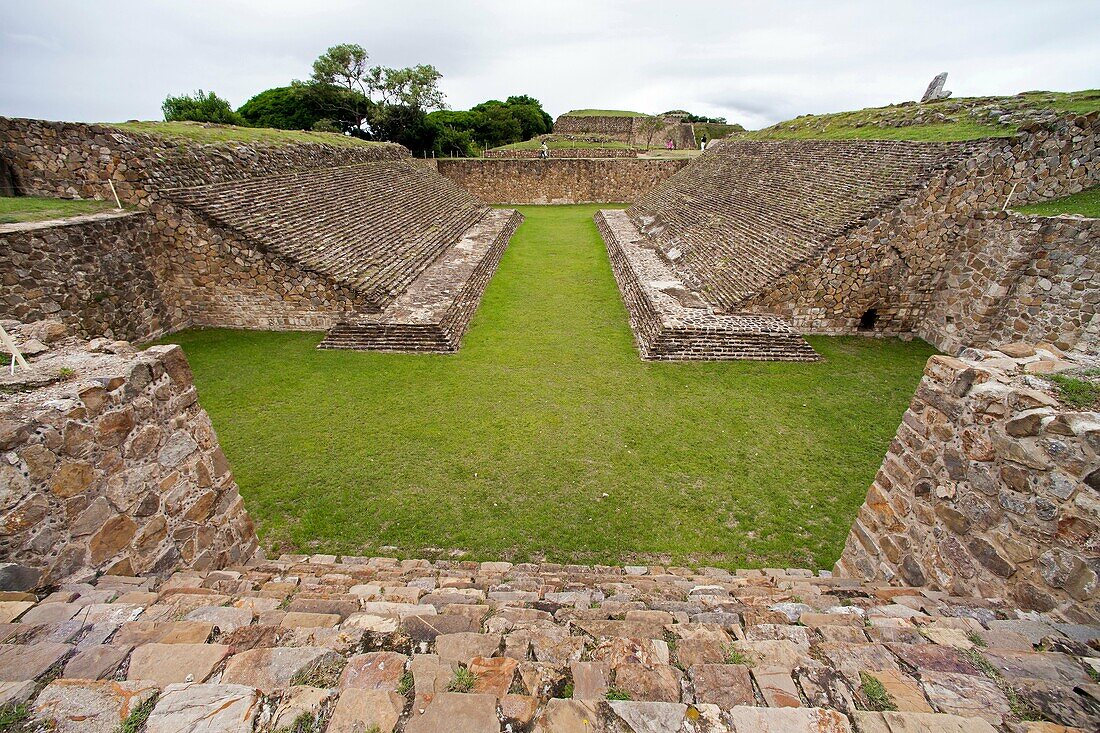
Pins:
x: 112, y: 466
x: 563, y: 153
x: 564, y: 181
x: 628, y: 129
x: 95, y: 274
x: 75, y: 160
x: 989, y: 488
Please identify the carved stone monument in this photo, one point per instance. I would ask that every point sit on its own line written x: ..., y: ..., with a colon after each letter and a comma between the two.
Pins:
x: 935, y: 90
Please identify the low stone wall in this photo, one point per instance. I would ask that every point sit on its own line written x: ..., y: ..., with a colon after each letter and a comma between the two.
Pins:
x: 112, y: 466
x: 565, y: 181
x: 989, y: 488
x: 631, y: 130
x: 75, y: 160
x: 95, y: 274
x: 565, y: 153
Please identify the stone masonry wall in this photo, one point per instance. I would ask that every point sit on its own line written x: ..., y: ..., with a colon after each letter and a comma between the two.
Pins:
x: 561, y: 181
x: 564, y: 153
x: 111, y: 465
x: 901, y: 262
x: 75, y: 160
x: 628, y: 129
x: 94, y: 274
x: 1019, y: 277
x: 991, y: 487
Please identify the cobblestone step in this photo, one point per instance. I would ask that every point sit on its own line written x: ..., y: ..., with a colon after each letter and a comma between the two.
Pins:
x: 364, y: 643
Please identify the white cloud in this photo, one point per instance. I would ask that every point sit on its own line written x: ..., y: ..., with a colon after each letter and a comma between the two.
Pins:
x: 752, y: 62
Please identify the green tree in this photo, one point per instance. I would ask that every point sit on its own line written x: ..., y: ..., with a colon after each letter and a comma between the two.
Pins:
x: 284, y: 108
x: 200, y: 107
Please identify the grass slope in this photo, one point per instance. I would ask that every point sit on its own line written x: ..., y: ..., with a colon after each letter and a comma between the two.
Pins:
x: 18, y: 209
x: 952, y: 119
x: 535, y: 144
x: 1085, y: 203
x: 547, y: 437
x: 603, y: 113
x: 224, y: 134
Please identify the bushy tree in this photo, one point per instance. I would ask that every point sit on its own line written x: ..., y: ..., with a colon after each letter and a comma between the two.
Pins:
x: 284, y: 108
x: 200, y: 107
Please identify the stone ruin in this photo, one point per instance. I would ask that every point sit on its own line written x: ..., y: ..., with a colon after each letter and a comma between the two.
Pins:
x: 965, y: 599
x: 935, y: 90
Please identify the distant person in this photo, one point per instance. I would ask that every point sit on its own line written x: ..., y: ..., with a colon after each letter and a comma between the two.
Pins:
x: 703, y: 143
x: 544, y: 151
x: 670, y: 145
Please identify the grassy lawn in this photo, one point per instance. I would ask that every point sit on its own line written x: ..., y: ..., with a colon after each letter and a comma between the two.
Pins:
x: 18, y: 209
x: 210, y: 133
x: 603, y: 113
x: 1085, y: 203
x: 938, y: 132
x: 547, y: 437
x: 535, y: 144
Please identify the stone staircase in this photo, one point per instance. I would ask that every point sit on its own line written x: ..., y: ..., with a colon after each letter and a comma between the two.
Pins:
x: 434, y: 312
x: 672, y: 322
x: 320, y: 643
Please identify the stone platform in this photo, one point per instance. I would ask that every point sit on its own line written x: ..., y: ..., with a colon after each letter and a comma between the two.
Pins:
x: 435, y: 311
x: 380, y: 644
x: 672, y: 322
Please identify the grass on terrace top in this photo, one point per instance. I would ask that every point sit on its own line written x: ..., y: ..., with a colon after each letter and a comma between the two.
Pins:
x: 20, y: 209
x: 546, y: 436
x: 226, y: 134
x: 535, y: 144
x: 603, y: 113
x: 1085, y: 203
x: 882, y: 123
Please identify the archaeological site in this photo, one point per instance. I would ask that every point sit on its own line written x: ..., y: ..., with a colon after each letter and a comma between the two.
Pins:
x: 644, y: 423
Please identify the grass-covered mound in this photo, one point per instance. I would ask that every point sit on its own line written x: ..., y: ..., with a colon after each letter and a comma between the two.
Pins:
x: 1085, y: 203
x: 603, y: 113
x: 547, y: 437
x: 963, y: 118
x: 205, y: 132
x: 19, y: 209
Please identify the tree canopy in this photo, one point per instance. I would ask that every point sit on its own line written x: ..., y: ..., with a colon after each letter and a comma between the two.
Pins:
x: 200, y: 107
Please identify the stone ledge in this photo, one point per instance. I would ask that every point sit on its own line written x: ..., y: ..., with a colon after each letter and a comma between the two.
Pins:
x: 672, y: 322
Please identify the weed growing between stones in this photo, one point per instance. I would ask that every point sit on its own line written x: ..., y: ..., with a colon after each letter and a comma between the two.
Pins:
x: 1021, y: 708
x: 463, y: 681
x: 304, y: 723
x: 614, y: 693
x: 326, y: 674
x: 734, y: 656
x: 405, y: 686
x: 976, y: 639
x: 14, y: 717
x: 875, y: 695
x: 567, y: 691
x: 1079, y: 393
x: 135, y: 721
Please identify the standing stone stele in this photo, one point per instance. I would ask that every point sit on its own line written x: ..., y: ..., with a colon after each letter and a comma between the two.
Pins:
x: 935, y: 90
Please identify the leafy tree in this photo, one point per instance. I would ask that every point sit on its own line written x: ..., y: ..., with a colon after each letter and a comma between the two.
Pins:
x: 374, y: 101
x: 284, y: 108
x: 200, y: 107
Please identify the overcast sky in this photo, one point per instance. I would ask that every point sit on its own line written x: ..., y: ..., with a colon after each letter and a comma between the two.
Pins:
x: 753, y: 62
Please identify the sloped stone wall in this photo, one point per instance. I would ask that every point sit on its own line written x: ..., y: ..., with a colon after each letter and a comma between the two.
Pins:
x: 900, y: 263
x: 112, y: 466
x: 75, y: 160
x: 564, y: 153
x: 991, y: 487
x: 628, y: 129
x: 96, y: 274
x: 560, y: 181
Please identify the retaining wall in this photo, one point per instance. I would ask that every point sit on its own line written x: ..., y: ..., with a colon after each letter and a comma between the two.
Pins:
x: 563, y: 181
x: 96, y: 274
x: 112, y: 466
x: 629, y: 129
x: 989, y: 488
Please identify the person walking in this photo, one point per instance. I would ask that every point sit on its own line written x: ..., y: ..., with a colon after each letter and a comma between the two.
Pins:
x: 544, y: 151
x: 703, y: 143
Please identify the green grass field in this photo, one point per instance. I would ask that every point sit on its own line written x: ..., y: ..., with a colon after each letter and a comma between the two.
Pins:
x: 222, y: 134
x: 603, y: 113
x: 546, y: 437
x: 1085, y: 203
x: 535, y: 144
x: 19, y: 209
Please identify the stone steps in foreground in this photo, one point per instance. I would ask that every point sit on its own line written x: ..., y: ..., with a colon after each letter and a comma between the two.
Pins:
x: 434, y: 312
x: 672, y: 322
x: 373, y: 643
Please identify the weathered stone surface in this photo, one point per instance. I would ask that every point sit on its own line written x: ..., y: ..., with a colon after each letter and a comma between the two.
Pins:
x: 590, y: 680
x: 656, y: 682
x: 166, y: 664
x: 202, y: 708
x: 461, y: 713
x: 965, y: 695
x: 786, y: 720
x: 361, y: 710
x: 271, y: 669
x: 650, y: 717
x: 225, y: 619
x: 569, y: 716
x: 19, y: 662
x: 911, y: 722
x: 97, y: 662
x: 300, y: 700
x: 494, y: 676
x: 777, y: 687
x: 374, y: 671
x: 724, y: 685
x: 461, y: 648
x: 83, y: 706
